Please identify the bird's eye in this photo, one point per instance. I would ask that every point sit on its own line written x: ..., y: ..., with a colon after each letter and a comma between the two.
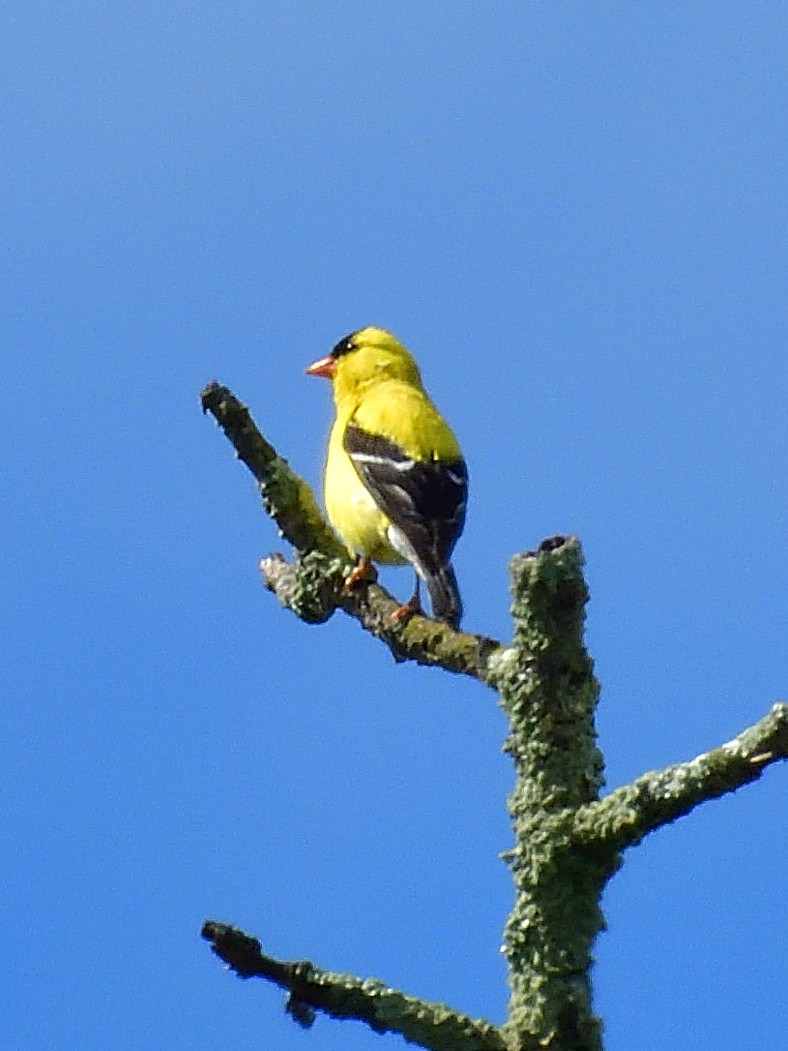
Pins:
x: 343, y: 347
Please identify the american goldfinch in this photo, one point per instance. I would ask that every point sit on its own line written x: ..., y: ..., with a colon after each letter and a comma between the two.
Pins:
x: 395, y: 483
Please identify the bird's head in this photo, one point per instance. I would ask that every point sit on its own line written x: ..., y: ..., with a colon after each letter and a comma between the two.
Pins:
x: 365, y: 357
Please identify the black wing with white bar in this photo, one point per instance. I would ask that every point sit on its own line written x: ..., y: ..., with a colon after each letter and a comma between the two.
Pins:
x: 425, y: 500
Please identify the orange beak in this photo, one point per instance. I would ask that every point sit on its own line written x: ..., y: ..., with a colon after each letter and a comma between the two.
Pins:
x: 324, y: 367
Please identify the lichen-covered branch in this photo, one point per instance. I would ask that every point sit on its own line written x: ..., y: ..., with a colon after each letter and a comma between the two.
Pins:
x: 549, y: 693
x: 312, y: 586
x: 568, y: 842
x: 344, y: 996
x: 629, y: 813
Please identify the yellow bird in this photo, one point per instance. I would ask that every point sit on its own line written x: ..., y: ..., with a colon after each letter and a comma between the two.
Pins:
x: 396, y: 483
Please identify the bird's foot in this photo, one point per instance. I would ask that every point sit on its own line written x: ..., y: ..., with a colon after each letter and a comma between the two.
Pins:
x: 362, y: 573
x: 413, y: 605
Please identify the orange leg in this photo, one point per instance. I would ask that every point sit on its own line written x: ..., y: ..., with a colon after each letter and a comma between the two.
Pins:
x: 413, y: 605
x: 362, y: 572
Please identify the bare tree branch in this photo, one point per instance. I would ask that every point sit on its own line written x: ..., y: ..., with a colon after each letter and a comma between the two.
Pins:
x: 568, y: 842
x: 629, y: 813
x: 344, y: 996
x: 313, y: 585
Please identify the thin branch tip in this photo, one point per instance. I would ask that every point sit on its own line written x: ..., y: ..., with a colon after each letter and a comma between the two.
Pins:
x: 344, y: 996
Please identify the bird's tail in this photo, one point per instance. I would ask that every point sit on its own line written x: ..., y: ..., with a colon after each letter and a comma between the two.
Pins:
x: 444, y: 595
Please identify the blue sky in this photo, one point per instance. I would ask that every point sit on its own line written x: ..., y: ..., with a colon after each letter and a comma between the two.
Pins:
x: 576, y: 216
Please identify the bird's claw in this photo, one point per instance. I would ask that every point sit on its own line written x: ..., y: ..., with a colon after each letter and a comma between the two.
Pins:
x: 406, y: 611
x: 362, y: 573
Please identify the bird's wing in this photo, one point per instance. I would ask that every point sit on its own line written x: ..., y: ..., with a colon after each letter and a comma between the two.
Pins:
x: 425, y: 499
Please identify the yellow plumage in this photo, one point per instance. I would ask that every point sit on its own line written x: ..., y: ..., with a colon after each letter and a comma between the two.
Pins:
x: 395, y: 481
